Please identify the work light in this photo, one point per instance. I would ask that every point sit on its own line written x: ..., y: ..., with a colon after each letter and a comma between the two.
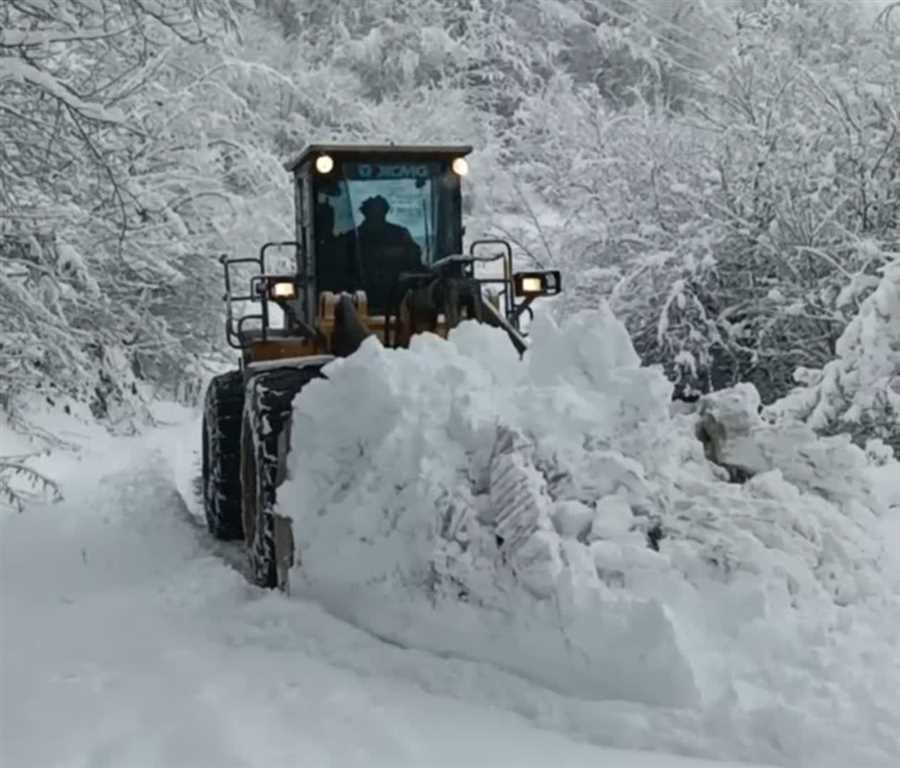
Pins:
x: 460, y: 166
x: 534, y: 284
x: 282, y: 290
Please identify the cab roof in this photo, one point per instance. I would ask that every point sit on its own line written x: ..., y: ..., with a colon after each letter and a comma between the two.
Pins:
x: 355, y: 151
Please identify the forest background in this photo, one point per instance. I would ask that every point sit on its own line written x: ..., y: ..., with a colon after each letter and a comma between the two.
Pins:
x: 726, y: 174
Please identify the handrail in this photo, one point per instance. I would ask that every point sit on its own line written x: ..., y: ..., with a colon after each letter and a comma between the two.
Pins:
x: 233, y: 332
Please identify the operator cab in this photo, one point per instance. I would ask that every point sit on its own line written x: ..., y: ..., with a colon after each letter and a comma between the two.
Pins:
x: 378, y: 251
x: 366, y: 215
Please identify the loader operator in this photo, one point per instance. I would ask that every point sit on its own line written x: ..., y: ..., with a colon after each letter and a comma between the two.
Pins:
x: 387, y: 250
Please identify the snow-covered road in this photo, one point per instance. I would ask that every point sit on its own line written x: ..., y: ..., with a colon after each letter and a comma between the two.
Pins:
x: 128, y: 640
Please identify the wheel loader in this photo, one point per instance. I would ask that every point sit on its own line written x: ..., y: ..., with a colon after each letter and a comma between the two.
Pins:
x: 378, y: 251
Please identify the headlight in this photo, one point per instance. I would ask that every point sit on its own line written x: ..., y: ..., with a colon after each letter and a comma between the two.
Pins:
x: 460, y: 166
x: 284, y: 291
x: 324, y: 164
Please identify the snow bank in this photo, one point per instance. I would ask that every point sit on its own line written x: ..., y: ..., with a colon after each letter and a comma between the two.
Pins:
x: 554, y: 518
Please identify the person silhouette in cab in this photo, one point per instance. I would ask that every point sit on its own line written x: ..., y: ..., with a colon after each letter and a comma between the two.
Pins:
x: 387, y: 249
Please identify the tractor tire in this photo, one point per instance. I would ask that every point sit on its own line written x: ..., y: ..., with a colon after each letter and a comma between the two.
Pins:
x: 223, y: 409
x: 265, y: 444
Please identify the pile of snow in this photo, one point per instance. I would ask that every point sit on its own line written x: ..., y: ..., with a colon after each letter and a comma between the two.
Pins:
x: 125, y: 636
x: 859, y: 391
x: 553, y: 517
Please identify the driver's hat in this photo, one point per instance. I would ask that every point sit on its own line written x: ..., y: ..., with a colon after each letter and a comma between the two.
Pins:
x: 375, y: 202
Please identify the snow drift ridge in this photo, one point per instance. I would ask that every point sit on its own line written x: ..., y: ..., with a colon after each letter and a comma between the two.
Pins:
x: 552, y: 517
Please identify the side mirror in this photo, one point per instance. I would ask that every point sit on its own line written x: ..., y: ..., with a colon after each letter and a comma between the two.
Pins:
x: 531, y: 285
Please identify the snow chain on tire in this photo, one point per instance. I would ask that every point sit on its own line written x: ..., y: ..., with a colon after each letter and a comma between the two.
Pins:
x: 223, y: 410
x: 266, y: 440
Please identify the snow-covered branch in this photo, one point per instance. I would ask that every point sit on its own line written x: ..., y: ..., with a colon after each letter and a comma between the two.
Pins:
x: 21, y: 484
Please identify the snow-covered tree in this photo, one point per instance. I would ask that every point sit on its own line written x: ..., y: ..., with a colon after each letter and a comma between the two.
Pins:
x: 807, y: 195
x: 726, y: 174
x: 84, y: 244
x: 859, y: 391
x: 738, y: 235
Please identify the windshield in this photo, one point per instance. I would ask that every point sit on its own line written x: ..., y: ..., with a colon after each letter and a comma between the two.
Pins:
x: 376, y: 220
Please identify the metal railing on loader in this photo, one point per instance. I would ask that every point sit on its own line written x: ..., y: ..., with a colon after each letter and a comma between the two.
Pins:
x: 235, y: 333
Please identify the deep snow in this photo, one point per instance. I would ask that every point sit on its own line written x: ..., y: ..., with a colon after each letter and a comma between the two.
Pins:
x: 453, y: 499
x: 126, y: 640
x: 764, y: 628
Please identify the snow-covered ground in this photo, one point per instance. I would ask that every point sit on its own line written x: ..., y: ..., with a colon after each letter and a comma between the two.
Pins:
x: 764, y: 628
x: 127, y: 640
